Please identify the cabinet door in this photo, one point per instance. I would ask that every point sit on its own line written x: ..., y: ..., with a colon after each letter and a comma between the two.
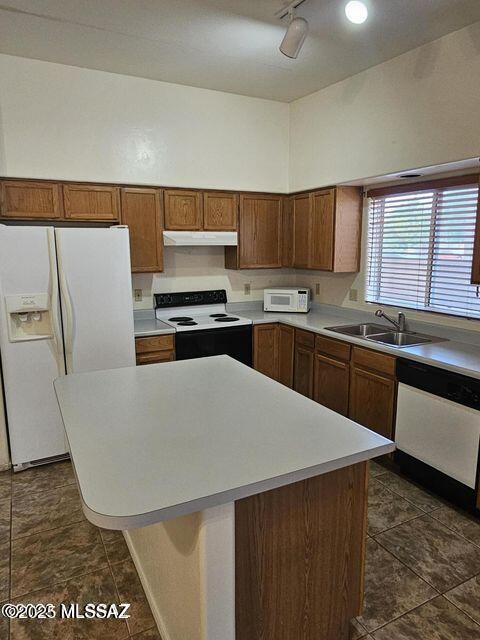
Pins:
x: 476, y: 248
x: 91, y: 202
x: 21, y: 199
x: 301, y: 231
x: 260, y: 231
x: 142, y: 212
x: 183, y: 210
x: 285, y: 354
x: 265, y: 349
x: 322, y: 229
x: 372, y: 401
x: 287, y: 233
x: 331, y: 383
x: 303, y: 374
x: 220, y: 211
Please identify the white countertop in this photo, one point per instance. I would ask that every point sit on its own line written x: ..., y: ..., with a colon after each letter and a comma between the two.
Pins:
x: 460, y: 357
x: 155, y: 442
x: 151, y: 327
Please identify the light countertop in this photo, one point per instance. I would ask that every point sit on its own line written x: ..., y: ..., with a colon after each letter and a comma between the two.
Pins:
x: 156, y: 442
x: 145, y: 326
x: 453, y: 355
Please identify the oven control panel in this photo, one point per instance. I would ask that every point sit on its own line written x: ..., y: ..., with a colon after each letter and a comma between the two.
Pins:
x: 189, y: 298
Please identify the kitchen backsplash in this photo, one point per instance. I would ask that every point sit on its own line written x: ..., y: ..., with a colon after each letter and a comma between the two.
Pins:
x: 198, y: 268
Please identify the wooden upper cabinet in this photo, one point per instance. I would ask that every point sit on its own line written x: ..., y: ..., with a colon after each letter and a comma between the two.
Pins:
x: 287, y: 233
x: 265, y: 349
x: 220, y: 211
x: 142, y: 213
x: 183, y: 210
x: 91, y: 202
x: 24, y: 199
x: 327, y: 227
x: 476, y: 248
x: 322, y: 230
x: 301, y: 231
x: 260, y: 231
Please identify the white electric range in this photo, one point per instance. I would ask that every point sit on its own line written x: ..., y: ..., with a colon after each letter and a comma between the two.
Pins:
x: 203, y: 326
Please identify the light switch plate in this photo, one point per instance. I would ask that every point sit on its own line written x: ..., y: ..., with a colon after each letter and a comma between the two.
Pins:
x: 353, y: 295
x: 138, y: 295
x: 246, y: 288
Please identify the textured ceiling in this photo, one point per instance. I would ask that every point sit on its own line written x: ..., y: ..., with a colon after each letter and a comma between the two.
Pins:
x: 228, y: 45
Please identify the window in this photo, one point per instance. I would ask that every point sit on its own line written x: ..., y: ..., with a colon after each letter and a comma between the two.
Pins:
x: 420, y: 247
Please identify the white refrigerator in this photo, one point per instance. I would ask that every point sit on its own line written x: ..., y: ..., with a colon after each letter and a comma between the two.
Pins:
x: 65, y: 307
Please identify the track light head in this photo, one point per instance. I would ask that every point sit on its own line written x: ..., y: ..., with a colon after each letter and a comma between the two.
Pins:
x: 294, y: 37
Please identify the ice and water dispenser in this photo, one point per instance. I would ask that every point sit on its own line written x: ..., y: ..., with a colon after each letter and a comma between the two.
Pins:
x: 29, y: 317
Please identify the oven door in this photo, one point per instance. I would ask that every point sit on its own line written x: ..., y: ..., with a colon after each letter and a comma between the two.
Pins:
x: 231, y: 341
x: 280, y: 301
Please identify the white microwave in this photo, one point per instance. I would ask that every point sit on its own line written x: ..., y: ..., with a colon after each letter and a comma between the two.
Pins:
x: 288, y: 300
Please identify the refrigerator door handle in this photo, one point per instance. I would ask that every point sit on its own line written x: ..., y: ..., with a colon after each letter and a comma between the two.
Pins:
x: 68, y: 327
x: 55, y: 302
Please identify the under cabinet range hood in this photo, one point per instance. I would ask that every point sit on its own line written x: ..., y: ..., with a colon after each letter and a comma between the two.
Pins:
x: 200, y: 238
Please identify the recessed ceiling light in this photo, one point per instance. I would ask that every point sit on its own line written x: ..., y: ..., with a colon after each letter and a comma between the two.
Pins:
x: 356, y: 11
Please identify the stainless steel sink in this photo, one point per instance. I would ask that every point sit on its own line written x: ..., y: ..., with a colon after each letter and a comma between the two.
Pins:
x: 359, y: 330
x: 401, y: 339
x: 378, y: 333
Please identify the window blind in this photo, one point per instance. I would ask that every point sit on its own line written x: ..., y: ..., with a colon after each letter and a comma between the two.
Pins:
x: 420, y: 249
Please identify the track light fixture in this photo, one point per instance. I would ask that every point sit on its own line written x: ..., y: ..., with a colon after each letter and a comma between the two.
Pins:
x: 295, y: 35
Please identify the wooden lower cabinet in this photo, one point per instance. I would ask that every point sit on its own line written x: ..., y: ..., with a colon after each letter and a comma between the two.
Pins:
x: 265, y: 349
x: 299, y: 558
x: 331, y: 383
x: 273, y: 351
x: 286, y: 345
x: 303, y: 370
x: 155, y: 349
x: 372, y: 401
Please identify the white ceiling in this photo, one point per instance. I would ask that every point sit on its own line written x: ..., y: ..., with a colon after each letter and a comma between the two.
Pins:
x: 228, y: 45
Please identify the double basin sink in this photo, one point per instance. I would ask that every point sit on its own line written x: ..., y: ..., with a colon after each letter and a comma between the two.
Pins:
x: 380, y: 334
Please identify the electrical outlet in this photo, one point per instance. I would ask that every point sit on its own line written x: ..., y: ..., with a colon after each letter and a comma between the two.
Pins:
x: 138, y: 295
x: 317, y: 289
x: 353, y: 295
x: 246, y: 288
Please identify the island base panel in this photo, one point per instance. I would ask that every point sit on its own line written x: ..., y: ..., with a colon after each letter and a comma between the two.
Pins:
x: 299, y: 558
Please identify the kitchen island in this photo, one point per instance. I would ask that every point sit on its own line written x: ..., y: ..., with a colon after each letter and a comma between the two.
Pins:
x: 243, y: 503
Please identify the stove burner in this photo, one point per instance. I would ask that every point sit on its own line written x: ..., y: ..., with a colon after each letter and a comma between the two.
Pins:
x: 226, y: 319
x: 187, y: 323
x: 180, y: 319
x: 218, y: 315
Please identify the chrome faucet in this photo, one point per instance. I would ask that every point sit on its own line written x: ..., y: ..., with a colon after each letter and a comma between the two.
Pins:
x: 400, y: 324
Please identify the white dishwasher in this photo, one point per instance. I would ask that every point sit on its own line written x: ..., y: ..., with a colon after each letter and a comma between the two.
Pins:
x: 438, y: 429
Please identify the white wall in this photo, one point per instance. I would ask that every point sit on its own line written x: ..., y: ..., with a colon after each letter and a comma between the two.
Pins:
x: 197, y: 268
x: 421, y: 108
x: 63, y: 122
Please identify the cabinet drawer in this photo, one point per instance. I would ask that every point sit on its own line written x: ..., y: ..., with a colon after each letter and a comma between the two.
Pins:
x: 305, y: 338
x: 334, y: 348
x: 155, y: 357
x: 380, y: 362
x: 154, y: 343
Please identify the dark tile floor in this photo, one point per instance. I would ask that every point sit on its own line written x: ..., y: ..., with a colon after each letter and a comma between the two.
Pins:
x: 422, y: 567
x: 50, y: 553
